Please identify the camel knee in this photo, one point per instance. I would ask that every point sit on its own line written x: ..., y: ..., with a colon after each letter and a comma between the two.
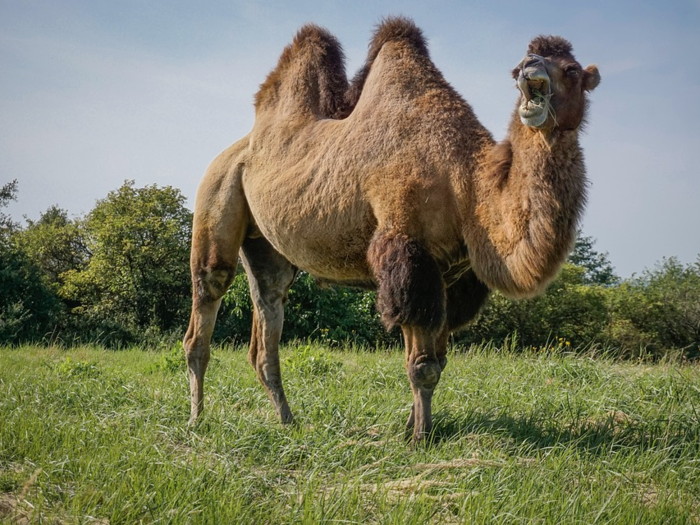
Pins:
x: 410, y: 286
x: 210, y: 284
x: 425, y: 373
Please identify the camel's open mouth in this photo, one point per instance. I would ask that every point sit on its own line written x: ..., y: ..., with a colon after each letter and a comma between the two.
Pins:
x: 535, y: 87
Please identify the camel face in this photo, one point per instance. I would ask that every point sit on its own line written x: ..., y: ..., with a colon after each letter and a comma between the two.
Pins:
x: 553, y: 85
x: 535, y: 85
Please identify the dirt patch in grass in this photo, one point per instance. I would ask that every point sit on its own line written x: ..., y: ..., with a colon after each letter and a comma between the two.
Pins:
x: 12, y: 511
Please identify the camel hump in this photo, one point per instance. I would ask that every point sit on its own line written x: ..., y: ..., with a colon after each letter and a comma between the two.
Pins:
x: 323, y: 59
x: 318, y: 37
x: 397, y: 28
x: 391, y: 29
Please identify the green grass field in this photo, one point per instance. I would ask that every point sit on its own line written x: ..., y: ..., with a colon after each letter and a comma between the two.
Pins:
x: 95, y: 436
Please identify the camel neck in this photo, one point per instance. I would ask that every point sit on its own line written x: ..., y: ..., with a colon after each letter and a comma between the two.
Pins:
x: 529, y: 197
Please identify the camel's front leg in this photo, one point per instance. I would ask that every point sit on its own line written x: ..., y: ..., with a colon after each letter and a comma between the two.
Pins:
x: 412, y: 294
x: 418, y: 352
x: 424, y: 364
x: 464, y: 300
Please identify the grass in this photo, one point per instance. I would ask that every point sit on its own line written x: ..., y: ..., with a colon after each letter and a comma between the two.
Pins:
x: 95, y: 436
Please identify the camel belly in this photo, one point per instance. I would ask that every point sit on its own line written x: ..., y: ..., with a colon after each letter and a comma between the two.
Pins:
x: 319, y: 232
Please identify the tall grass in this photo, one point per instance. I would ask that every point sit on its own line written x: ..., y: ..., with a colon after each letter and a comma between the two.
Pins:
x: 95, y: 436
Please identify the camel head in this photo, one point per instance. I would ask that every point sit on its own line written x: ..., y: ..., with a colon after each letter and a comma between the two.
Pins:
x: 553, y: 85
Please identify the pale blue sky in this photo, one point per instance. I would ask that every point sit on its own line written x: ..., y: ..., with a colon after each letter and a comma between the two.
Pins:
x: 96, y: 92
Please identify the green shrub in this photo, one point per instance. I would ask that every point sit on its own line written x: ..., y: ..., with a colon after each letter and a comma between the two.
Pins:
x: 569, y: 310
x: 658, y: 310
x: 29, y: 309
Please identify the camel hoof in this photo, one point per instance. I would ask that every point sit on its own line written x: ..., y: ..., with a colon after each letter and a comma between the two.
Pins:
x: 420, y: 438
x: 286, y: 417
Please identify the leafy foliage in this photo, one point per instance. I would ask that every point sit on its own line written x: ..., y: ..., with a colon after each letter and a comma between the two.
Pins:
x: 28, y: 307
x: 8, y: 193
x: 597, y: 267
x: 136, y: 278
x: 55, y: 243
x: 332, y: 315
x: 658, y: 310
x: 570, y: 310
x: 121, y: 275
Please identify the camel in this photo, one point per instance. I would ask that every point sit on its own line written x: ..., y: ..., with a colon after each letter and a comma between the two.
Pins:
x: 389, y: 182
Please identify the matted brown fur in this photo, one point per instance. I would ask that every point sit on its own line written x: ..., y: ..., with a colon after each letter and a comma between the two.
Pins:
x: 411, y: 290
x: 399, y: 29
x: 550, y: 46
x: 390, y: 182
x: 325, y: 57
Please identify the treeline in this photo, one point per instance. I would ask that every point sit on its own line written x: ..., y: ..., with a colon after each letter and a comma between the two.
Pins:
x: 119, y: 276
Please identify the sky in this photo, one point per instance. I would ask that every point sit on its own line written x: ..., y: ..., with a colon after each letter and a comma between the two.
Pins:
x: 94, y: 92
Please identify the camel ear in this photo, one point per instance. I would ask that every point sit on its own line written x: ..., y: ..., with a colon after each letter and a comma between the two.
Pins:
x: 591, y: 78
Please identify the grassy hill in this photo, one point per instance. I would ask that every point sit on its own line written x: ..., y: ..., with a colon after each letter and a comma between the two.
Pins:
x: 95, y: 436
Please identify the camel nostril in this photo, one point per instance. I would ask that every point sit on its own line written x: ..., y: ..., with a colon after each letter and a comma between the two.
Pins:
x: 532, y: 61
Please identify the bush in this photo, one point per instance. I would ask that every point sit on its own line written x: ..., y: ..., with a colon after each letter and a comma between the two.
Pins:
x: 29, y: 310
x: 569, y: 310
x: 658, y: 310
x: 331, y: 315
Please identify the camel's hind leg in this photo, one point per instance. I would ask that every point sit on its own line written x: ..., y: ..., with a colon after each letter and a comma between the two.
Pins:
x: 220, y: 223
x: 270, y: 275
x: 210, y: 280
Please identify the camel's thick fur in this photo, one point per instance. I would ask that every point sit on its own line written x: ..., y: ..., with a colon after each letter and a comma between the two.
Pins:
x: 388, y: 182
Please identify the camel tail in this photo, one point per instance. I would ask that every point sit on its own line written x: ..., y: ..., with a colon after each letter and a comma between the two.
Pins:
x: 391, y: 29
x: 325, y: 58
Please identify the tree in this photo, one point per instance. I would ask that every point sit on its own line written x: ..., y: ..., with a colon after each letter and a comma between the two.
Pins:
x: 570, y: 311
x: 598, y: 269
x: 658, y: 310
x: 55, y: 243
x: 8, y: 192
x: 28, y: 307
x: 332, y: 315
x: 137, y: 277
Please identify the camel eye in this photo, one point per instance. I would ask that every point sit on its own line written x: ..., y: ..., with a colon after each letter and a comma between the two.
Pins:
x: 572, y: 72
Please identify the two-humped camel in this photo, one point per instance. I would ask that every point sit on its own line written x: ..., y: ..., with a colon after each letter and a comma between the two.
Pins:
x: 390, y: 183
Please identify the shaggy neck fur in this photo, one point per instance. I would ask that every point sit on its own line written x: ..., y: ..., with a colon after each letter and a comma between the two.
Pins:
x: 529, y: 196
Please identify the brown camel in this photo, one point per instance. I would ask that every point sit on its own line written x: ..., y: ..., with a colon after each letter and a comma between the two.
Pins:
x: 390, y: 183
